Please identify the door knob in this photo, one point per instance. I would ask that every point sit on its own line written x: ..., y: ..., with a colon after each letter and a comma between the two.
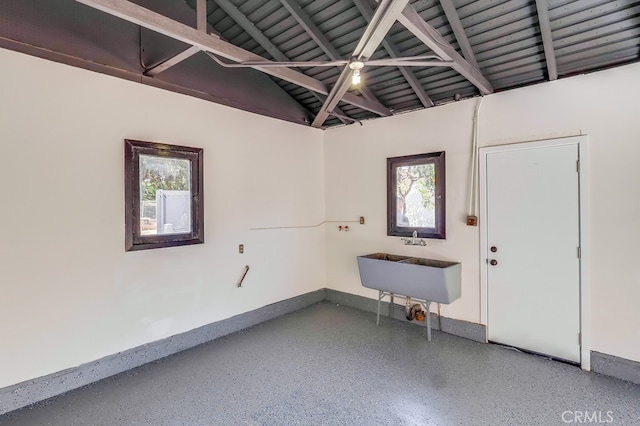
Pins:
x: 493, y: 262
x: 493, y: 249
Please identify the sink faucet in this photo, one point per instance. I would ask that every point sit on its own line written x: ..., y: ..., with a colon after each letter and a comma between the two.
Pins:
x: 414, y: 240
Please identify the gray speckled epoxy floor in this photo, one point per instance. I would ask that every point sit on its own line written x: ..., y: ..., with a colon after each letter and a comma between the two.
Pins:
x: 331, y: 365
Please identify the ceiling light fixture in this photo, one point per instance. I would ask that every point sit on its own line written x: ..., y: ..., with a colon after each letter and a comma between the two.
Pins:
x: 355, y: 77
x: 356, y: 66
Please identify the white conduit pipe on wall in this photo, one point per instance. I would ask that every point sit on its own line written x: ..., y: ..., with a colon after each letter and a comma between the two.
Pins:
x: 474, y: 159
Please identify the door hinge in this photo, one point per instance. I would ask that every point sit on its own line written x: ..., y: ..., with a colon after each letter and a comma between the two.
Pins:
x: 579, y: 253
x: 580, y: 339
x: 578, y: 166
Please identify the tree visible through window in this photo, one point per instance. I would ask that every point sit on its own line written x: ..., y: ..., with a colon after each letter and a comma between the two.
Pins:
x: 416, y: 195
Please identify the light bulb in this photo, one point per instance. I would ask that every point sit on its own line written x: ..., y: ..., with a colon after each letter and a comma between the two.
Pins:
x: 355, y: 78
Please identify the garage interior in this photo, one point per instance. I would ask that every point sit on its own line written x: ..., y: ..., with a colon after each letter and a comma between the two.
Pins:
x: 294, y: 151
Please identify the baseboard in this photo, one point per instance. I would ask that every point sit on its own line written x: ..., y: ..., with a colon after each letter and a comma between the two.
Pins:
x: 42, y: 388
x: 620, y: 368
x: 456, y: 327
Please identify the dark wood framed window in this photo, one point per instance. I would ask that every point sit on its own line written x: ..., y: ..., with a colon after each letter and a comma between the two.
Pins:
x: 164, y: 206
x: 416, y: 195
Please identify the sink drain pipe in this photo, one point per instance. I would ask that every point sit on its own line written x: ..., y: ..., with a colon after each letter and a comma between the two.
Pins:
x: 408, y: 311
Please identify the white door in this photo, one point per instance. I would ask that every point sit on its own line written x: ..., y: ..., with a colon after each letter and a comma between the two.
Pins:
x: 533, y: 275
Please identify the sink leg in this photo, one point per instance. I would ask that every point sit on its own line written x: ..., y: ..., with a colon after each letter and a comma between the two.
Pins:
x: 391, y: 306
x: 380, y: 295
x: 428, y: 321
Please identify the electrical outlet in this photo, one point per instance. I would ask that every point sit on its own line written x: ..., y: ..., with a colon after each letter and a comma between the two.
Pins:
x: 241, y: 248
x: 472, y: 220
x: 361, y: 220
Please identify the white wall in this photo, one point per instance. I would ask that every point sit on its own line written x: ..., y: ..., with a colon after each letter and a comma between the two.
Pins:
x: 69, y: 293
x: 603, y: 105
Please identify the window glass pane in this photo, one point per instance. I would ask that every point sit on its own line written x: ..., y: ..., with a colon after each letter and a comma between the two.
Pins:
x: 416, y: 198
x: 165, y: 195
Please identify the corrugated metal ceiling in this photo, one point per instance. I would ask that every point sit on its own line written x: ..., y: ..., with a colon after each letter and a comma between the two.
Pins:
x: 511, y: 42
x: 504, y: 35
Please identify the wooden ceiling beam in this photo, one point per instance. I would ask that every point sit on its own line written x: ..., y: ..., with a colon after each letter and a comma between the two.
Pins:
x: 385, y: 16
x: 441, y: 47
x: 321, y: 40
x: 154, y: 21
x: 547, y: 40
x: 458, y: 30
x: 409, y: 76
x: 255, y: 33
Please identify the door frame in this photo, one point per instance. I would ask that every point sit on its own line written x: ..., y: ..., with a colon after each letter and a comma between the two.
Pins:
x: 585, y: 282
